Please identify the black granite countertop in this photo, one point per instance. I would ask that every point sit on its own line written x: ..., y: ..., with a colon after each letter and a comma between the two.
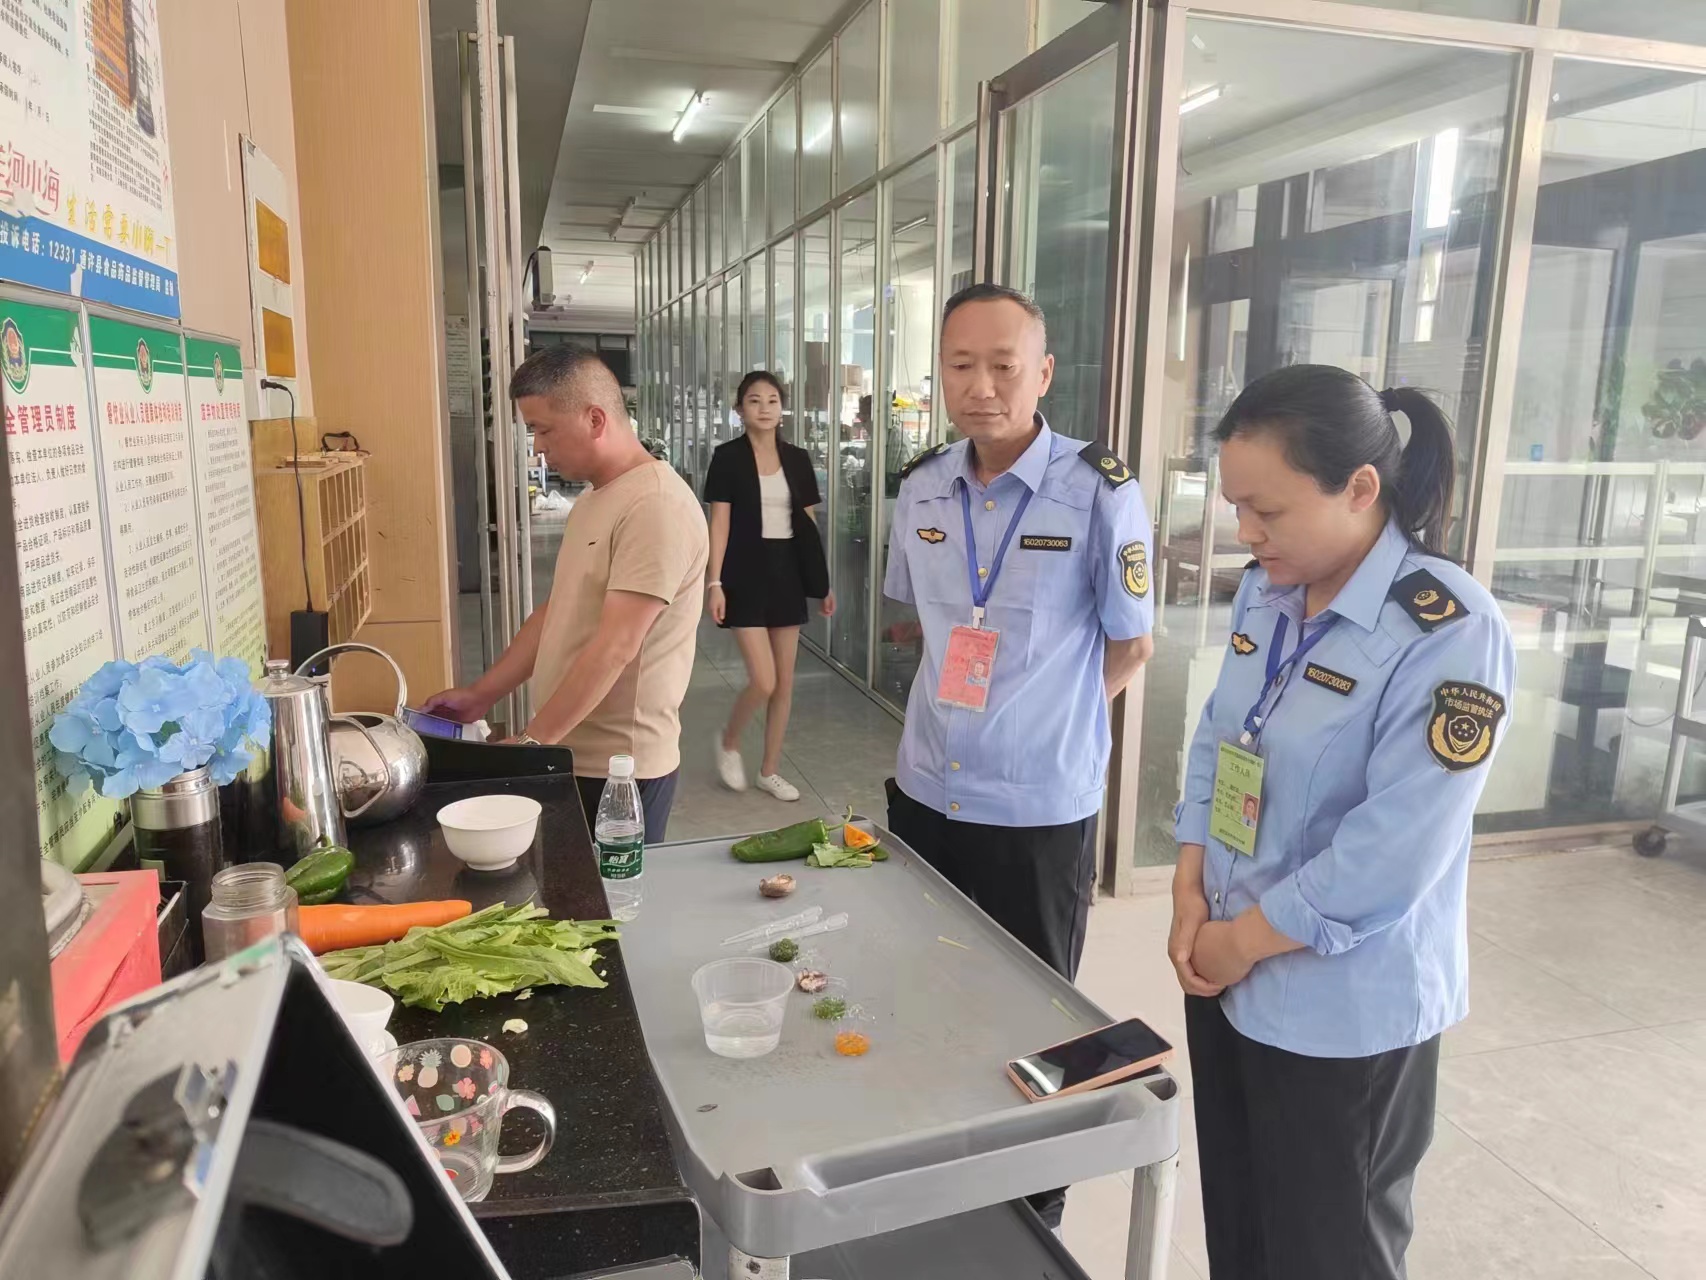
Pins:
x: 608, y: 1193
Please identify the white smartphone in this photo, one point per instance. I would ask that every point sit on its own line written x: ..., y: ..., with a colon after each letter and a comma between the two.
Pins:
x: 1089, y: 1061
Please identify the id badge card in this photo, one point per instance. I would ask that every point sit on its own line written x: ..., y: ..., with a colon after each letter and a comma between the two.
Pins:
x: 1237, y: 808
x: 967, y: 668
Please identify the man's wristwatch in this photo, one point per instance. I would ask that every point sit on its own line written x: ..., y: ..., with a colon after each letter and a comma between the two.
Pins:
x: 525, y: 739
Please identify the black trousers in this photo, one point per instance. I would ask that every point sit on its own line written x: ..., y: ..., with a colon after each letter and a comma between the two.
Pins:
x: 657, y: 797
x: 1308, y: 1164
x: 1035, y: 882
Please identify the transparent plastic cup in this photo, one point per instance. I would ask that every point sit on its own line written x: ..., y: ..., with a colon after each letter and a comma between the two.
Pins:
x: 742, y: 1001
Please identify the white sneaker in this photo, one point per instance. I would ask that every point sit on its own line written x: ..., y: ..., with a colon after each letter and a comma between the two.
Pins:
x: 729, y: 766
x: 778, y: 786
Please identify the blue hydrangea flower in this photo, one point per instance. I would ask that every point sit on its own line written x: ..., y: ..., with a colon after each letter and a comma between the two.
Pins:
x: 139, y: 725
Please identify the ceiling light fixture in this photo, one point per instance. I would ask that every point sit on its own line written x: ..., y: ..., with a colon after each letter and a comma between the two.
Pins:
x: 622, y: 217
x: 585, y: 272
x: 1201, y: 98
x: 697, y: 103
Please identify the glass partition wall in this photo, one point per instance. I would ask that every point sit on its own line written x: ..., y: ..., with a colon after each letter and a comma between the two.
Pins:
x: 829, y: 233
x: 1487, y: 199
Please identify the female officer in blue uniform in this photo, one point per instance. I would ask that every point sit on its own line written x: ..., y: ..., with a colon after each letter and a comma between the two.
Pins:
x: 1323, y: 947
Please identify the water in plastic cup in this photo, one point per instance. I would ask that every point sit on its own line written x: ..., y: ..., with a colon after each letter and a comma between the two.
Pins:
x: 742, y: 1001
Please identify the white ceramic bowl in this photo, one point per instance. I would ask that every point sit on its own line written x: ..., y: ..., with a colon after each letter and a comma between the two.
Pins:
x: 490, y: 832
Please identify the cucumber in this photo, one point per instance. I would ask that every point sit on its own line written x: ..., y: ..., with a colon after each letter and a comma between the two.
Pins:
x: 322, y: 872
x: 782, y: 846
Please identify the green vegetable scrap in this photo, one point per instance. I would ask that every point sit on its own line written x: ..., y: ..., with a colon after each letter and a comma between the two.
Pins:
x: 783, y: 845
x: 830, y: 1009
x: 784, y: 950
x: 838, y: 855
x: 489, y: 953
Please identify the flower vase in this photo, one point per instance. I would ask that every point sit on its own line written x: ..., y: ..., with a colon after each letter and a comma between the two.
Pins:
x: 177, y: 826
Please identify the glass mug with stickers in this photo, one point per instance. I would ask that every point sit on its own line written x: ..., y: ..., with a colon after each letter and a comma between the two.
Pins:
x: 458, y: 1093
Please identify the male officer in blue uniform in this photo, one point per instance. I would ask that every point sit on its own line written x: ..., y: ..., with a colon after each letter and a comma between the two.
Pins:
x: 1026, y: 555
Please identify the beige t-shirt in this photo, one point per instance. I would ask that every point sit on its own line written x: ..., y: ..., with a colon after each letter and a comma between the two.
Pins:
x: 643, y: 532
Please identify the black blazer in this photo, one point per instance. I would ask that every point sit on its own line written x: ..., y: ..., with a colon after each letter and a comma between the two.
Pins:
x: 732, y: 477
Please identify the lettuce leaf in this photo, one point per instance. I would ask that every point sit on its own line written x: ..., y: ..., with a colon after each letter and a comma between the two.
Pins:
x: 490, y: 953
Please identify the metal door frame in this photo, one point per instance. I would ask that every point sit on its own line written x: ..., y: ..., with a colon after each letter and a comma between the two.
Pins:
x: 1122, y: 28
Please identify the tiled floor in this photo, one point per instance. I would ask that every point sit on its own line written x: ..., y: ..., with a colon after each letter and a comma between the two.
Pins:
x: 1570, y: 1143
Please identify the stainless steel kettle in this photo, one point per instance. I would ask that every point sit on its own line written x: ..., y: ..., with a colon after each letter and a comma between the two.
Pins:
x: 300, y: 764
x: 379, y: 764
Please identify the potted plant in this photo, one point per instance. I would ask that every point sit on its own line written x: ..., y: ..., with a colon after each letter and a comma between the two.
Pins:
x: 165, y: 735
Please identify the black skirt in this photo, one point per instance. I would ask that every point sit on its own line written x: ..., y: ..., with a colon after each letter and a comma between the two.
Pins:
x: 774, y: 597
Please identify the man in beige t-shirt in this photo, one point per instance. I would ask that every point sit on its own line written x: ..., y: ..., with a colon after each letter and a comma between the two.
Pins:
x: 610, y: 653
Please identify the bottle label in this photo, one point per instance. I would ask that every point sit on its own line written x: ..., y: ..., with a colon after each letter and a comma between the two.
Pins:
x: 621, y: 859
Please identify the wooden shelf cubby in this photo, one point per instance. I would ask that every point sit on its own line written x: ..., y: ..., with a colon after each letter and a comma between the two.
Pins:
x: 334, y: 517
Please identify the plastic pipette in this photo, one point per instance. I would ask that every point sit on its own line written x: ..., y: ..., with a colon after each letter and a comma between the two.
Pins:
x: 811, y: 915
x: 828, y: 926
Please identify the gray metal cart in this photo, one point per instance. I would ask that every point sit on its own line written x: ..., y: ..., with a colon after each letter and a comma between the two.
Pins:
x: 1684, y: 819
x: 804, y: 1150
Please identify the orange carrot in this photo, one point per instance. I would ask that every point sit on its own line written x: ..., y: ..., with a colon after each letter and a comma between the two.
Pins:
x: 336, y: 925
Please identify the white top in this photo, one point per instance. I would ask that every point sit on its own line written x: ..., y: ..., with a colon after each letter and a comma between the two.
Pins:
x: 777, y: 505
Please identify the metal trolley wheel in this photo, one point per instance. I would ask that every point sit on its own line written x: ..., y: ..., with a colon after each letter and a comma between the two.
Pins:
x: 1651, y: 842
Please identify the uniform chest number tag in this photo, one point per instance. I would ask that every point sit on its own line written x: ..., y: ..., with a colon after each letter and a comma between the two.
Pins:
x: 1464, y: 725
x: 1328, y: 679
x: 1237, y: 807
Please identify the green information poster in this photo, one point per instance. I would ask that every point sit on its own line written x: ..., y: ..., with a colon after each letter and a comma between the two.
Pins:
x: 225, y: 501
x: 62, y: 572
x: 151, y: 511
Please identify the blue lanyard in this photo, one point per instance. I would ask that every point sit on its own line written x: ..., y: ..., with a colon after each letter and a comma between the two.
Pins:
x: 982, y: 585
x: 1278, y: 669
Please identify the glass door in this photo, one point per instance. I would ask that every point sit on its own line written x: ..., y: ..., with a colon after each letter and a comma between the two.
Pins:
x: 1053, y: 215
x: 1057, y: 169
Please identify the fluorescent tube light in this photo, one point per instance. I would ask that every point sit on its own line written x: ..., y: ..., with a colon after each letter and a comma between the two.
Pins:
x: 1201, y: 98
x: 697, y: 103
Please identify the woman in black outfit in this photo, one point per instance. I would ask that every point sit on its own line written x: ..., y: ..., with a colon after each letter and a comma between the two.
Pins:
x: 766, y: 560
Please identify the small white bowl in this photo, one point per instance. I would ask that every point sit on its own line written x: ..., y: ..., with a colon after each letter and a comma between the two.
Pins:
x: 366, y: 1009
x: 490, y: 832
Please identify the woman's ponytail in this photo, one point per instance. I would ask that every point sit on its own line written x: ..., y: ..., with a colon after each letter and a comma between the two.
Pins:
x: 1332, y: 423
x: 1427, y: 473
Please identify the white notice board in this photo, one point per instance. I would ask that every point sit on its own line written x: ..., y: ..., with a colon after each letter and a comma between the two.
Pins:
x: 151, y: 511
x: 225, y: 500
x: 62, y: 577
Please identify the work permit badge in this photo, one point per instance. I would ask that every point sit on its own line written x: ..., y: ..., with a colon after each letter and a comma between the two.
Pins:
x: 969, y: 664
x: 1237, y: 808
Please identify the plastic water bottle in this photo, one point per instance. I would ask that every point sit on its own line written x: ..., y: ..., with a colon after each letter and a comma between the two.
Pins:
x: 619, y: 832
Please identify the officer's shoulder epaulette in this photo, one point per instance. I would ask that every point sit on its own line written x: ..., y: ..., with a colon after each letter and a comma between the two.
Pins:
x: 919, y: 459
x: 1428, y: 601
x: 1107, y: 463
